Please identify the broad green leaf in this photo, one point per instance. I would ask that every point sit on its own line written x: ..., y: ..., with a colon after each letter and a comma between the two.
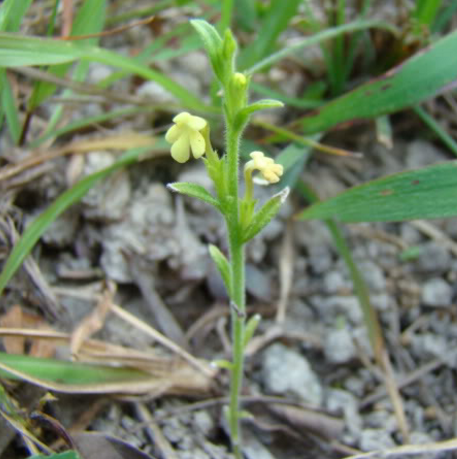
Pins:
x: 222, y: 265
x: 430, y: 192
x: 265, y: 214
x: 195, y: 191
x: 19, y: 50
x: 34, y: 231
x: 417, y: 79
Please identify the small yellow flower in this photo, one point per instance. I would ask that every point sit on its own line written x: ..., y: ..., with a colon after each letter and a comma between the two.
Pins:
x: 185, y: 135
x: 267, y: 167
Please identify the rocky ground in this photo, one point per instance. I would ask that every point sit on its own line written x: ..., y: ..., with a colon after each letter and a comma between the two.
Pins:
x: 152, y: 245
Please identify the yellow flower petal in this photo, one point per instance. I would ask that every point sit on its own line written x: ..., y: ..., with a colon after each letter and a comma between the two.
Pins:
x: 182, y: 118
x: 196, y: 123
x: 172, y: 134
x: 180, y: 150
x: 197, y: 144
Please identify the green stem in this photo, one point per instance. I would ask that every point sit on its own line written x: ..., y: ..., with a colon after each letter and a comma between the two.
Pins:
x: 237, y: 288
x: 233, y: 141
x: 238, y: 326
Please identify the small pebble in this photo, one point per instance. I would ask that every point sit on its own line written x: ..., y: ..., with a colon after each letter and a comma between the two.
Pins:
x: 437, y: 293
x: 286, y: 371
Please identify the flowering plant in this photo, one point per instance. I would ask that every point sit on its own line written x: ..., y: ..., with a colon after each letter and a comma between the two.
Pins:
x: 191, y: 134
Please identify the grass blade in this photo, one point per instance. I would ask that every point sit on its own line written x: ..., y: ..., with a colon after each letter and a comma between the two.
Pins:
x: 415, y: 80
x: 34, y: 231
x: 9, y: 107
x: 430, y: 192
x: 275, y: 22
x: 18, y: 50
x: 319, y: 38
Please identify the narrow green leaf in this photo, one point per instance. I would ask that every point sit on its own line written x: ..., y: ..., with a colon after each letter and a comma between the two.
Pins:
x: 89, y: 19
x: 430, y: 192
x: 274, y: 23
x: 223, y: 364
x: 319, y: 38
x: 64, y: 372
x: 262, y: 104
x: 222, y: 265
x: 17, y: 50
x: 9, y: 107
x: 212, y: 43
x: 415, y: 80
x: 360, y: 286
x: 11, y: 14
x: 34, y: 231
x: 251, y: 327
x: 195, y: 191
x: 265, y: 214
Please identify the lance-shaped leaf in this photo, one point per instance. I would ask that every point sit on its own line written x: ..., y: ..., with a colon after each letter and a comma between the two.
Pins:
x: 265, y: 214
x: 212, y: 43
x: 251, y: 327
x: 430, y: 192
x: 262, y: 104
x: 195, y: 191
x: 222, y: 265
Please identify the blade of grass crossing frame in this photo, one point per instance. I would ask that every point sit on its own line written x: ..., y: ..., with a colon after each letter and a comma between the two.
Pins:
x: 9, y: 107
x: 17, y: 50
x: 34, y: 231
x: 437, y: 129
x: 89, y: 19
x: 72, y: 373
x: 275, y: 22
x: 360, y: 286
x: 319, y: 38
x: 415, y: 80
x: 11, y: 14
x: 429, y: 192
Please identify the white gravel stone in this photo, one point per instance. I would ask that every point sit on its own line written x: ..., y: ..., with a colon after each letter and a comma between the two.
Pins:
x: 437, y: 292
x: 375, y: 439
x: 285, y: 371
x: 373, y: 275
x: 434, y: 258
x: 334, y: 281
x: 342, y: 400
x: 339, y: 347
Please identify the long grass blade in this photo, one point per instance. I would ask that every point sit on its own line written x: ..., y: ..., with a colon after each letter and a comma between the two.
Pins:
x: 417, y: 79
x: 34, y: 231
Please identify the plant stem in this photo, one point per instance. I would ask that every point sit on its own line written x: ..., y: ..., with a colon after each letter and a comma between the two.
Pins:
x: 237, y: 288
x: 238, y: 324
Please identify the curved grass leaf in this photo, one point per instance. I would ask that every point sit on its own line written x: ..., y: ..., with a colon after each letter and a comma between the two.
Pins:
x: 319, y: 38
x: 19, y: 50
x: 68, y: 373
x: 419, y: 78
x: 430, y: 192
x: 34, y: 231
